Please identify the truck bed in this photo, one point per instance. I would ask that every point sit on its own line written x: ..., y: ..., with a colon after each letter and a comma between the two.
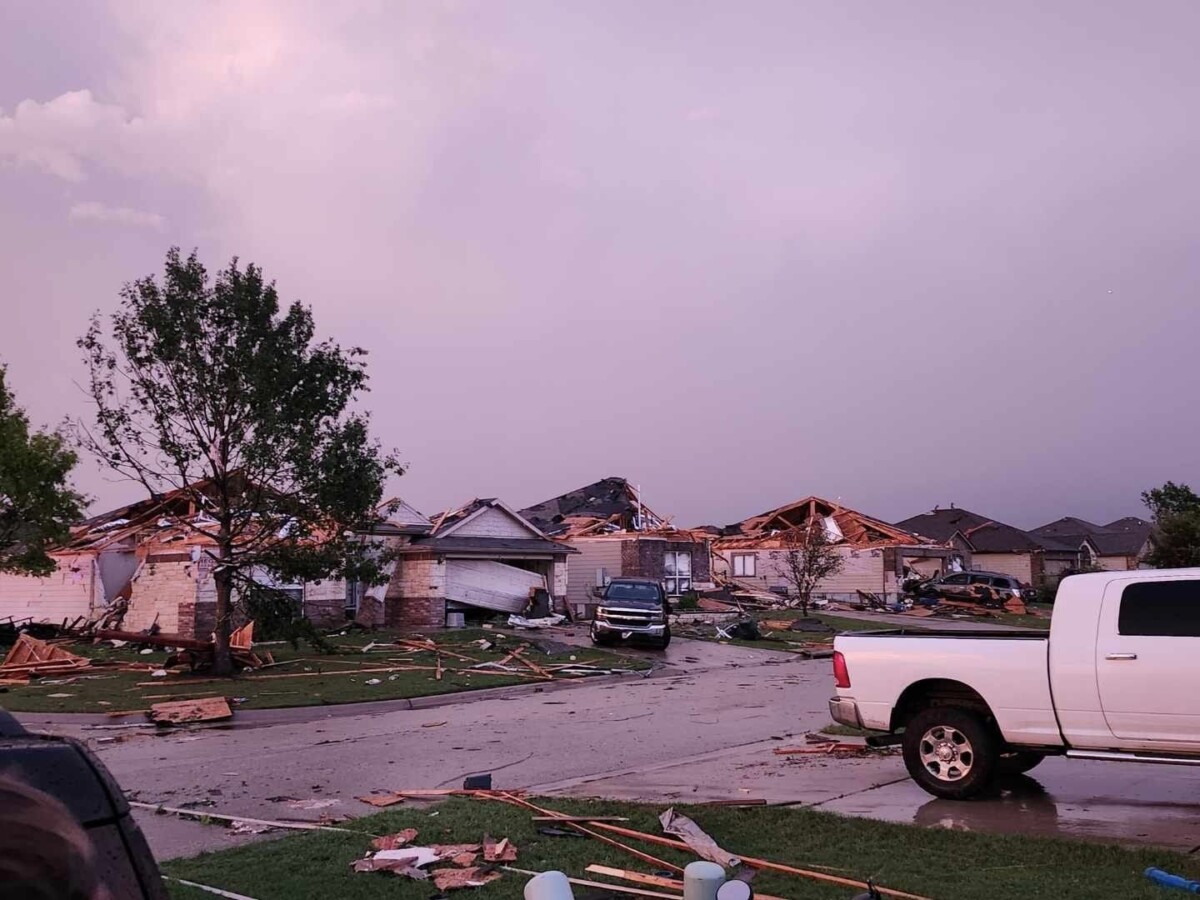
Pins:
x: 1014, y: 634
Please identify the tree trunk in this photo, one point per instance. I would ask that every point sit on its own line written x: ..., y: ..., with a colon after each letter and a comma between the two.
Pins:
x: 222, y: 660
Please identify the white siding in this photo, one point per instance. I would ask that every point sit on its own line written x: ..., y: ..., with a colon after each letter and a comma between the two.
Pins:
x: 1018, y: 565
x: 862, y: 570
x: 491, y: 585
x: 492, y: 522
x: 581, y: 568
x: 67, y: 594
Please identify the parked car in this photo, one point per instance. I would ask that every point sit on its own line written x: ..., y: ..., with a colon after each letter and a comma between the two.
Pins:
x: 69, y: 772
x: 632, y: 609
x: 971, y: 585
x: 1113, y: 680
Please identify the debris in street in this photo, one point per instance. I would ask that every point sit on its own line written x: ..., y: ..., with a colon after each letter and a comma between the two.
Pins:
x: 544, y: 622
x: 477, y: 783
x: 210, y: 709
x: 234, y: 820
x: 824, y: 749
x: 696, y: 838
x: 313, y: 804
x: 381, y: 800
x: 394, y: 841
x: 432, y: 724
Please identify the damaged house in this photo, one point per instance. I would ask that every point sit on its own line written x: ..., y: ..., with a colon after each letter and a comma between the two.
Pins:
x: 152, y: 557
x: 615, y: 534
x: 997, y: 547
x: 480, y: 559
x: 876, y: 556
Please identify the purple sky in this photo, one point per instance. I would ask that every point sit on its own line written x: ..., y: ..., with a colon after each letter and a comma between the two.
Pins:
x: 897, y: 254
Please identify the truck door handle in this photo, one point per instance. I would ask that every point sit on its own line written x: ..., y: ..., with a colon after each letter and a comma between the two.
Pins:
x: 1121, y: 656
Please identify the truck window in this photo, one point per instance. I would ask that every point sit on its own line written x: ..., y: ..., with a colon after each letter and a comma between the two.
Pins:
x: 624, y: 590
x: 1160, y: 609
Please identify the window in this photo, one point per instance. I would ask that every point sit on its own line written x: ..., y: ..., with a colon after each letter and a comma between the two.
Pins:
x: 981, y: 579
x: 744, y: 565
x: 354, y: 594
x: 956, y: 579
x: 677, y: 566
x: 1160, y: 609
x: 634, y: 591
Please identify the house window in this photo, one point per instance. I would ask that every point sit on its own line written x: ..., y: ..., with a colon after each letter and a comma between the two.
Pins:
x: 744, y: 565
x: 354, y: 595
x: 677, y: 567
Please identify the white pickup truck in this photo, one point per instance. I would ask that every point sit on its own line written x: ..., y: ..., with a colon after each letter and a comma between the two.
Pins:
x: 1118, y: 678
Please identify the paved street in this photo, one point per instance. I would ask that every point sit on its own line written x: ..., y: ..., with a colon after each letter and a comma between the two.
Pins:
x: 703, y: 728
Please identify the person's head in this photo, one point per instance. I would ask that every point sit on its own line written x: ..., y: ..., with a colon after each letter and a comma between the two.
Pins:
x: 44, y: 853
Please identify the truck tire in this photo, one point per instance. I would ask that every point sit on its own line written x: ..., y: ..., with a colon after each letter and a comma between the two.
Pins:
x: 599, y: 639
x: 1018, y: 762
x: 666, y: 639
x: 950, y: 752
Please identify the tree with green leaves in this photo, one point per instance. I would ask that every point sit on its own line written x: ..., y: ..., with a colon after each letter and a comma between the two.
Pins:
x: 1176, y: 536
x: 210, y: 387
x: 37, y: 502
x: 808, y: 558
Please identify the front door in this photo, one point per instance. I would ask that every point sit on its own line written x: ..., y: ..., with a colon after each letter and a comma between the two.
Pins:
x: 1148, y: 660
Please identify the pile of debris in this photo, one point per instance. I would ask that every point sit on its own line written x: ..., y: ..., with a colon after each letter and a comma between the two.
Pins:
x: 32, y: 657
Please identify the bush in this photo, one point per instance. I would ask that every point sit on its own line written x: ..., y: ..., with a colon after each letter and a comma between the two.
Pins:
x: 690, y: 600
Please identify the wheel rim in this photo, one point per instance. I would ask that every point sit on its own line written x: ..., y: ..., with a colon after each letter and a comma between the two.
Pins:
x: 946, y: 753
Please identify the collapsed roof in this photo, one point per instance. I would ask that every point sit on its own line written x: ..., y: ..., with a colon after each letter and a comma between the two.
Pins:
x: 607, y: 506
x: 842, y: 526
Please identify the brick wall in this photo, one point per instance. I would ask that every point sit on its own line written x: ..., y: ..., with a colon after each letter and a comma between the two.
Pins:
x: 325, y: 602
x: 158, y: 591
x: 416, y: 595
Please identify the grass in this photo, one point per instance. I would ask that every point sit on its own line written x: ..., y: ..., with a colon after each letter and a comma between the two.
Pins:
x: 779, y: 640
x: 933, y: 862
x: 327, y: 678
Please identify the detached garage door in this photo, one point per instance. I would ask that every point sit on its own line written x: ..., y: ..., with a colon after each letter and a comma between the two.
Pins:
x: 490, y: 585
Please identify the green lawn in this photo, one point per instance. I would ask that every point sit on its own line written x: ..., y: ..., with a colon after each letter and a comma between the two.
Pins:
x: 338, y: 677
x: 932, y: 862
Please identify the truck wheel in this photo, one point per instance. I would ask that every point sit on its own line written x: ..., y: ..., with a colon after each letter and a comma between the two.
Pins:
x: 599, y: 639
x: 950, y: 752
x: 1018, y: 763
x: 666, y: 640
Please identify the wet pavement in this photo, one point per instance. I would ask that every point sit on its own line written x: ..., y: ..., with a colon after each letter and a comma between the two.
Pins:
x: 704, y: 728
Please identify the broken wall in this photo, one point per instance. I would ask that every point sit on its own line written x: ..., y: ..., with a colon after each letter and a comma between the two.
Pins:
x: 71, y: 591
x: 416, y: 594
x: 164, y: 591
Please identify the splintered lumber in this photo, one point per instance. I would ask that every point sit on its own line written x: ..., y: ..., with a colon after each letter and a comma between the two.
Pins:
x: 583, y: 819
x: 651, y: 880
x: 203, y: 814
x: 822, y: 748
x: 210, y: 709
x: 644, y: 857
x: 242, y: 638
x: 615, y: 888
x: 30, y: 656
x: 381, y: 800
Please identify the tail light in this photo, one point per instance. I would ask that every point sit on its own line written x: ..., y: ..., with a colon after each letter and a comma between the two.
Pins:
x: 841, y: 675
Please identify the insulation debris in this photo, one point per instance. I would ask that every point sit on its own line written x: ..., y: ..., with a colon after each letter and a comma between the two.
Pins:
x: 696, y: 838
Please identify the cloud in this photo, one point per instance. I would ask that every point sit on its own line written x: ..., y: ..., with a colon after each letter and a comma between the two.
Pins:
x: 91, y: 211
x: 57, y: 136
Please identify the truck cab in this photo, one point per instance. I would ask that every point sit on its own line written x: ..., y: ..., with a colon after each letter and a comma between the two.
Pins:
x: 632, y: 609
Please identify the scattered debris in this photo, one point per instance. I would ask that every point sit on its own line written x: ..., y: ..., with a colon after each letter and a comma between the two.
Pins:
x: 432, y: 724
x: 236, y: 820
x: 395, y: 841
x: 453, y: 879
x: 209, y: 709
x: 382, y: 800
x: 313, y: 804
x: 499, y: 851
x: 695, y: 837
x: 477, y: 783
x: 543, y: 622
x: 30, y: 657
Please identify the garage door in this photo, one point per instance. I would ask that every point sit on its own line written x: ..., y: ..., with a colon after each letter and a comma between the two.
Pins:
x: 490, y: 585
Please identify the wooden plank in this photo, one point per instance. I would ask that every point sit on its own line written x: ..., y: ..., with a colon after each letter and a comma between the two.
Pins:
x: 205, y: 814
x: 212, y: 709
x: 616, y: 888
x: 651, y: 880
x: 584, y: 819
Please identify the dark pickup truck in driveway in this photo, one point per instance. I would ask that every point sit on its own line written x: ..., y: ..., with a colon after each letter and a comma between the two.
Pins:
x: 632, y: 609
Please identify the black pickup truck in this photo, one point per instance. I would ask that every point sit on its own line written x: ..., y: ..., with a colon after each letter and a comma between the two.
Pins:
x: 632, y: 609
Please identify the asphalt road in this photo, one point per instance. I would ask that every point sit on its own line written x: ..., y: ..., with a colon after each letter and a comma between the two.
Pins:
x: 703, y: 728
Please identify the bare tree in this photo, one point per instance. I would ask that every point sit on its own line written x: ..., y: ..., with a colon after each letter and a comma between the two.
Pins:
x: 808, y: 558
